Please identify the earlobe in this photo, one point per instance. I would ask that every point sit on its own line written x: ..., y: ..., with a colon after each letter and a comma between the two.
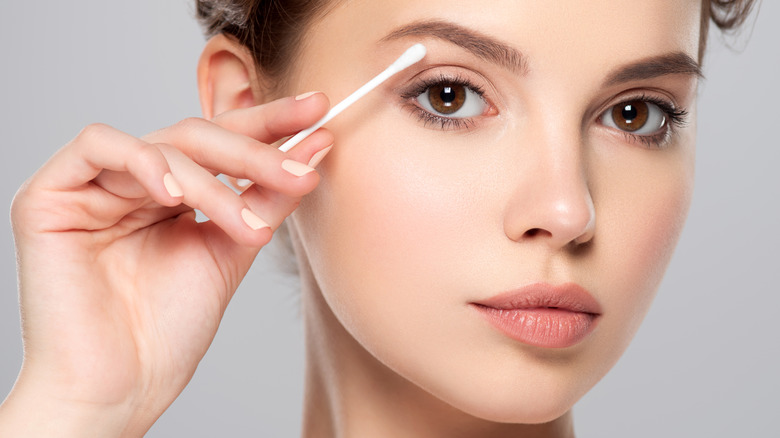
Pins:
x: 226, y: 73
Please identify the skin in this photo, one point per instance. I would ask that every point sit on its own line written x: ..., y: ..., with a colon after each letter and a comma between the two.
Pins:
x: 442, y: 219
x: 408, y: 225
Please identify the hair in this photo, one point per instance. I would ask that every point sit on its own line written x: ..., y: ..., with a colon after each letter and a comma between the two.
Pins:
x: 728, y: 15
x: 273, y: 30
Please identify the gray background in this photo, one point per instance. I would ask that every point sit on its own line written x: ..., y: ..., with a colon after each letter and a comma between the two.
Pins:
x: 704, y: 363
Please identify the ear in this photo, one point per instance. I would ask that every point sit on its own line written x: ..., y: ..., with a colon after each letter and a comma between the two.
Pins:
x: 226, y: 74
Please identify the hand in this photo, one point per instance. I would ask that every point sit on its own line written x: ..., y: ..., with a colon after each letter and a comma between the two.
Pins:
x: 121, y: 290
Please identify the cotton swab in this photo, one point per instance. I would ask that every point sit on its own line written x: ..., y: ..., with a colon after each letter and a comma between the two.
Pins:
x: 411, y: 56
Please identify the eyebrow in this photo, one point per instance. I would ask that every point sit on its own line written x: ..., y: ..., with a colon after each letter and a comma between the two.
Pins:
x: 479, y: 44
x: 653, y: 67
x: 502, y: 54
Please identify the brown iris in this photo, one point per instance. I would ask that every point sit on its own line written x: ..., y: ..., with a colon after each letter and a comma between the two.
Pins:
x: 630, y: 116
x: 447, y: 98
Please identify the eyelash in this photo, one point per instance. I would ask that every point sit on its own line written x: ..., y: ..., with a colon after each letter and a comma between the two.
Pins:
x: 676, y: 118
x: 428, y: 118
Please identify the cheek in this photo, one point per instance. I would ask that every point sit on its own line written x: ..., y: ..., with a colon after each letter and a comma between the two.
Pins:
x: 639, y: 220
x: 375, y: 223
x: 394, y: 233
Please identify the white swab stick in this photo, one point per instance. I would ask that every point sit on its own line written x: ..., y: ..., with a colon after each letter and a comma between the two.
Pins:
x: 411, y: 56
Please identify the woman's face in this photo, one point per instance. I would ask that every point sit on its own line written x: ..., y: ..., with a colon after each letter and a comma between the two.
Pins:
x: 568, y: 165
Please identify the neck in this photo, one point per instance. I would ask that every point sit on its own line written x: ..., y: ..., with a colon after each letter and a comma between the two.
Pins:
x: 349, y: 393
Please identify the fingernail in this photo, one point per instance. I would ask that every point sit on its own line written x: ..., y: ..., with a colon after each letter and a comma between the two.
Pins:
x: 253, y: 220
x: 316, y: 158
x: 305, y: 95
x: 296, y: 168
x: 172, y: 186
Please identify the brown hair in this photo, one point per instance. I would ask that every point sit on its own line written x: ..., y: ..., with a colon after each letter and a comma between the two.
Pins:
x: 272, y: 29
x: 728, y: 15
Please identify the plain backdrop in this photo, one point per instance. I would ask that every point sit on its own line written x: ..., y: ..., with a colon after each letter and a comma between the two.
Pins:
x: 704, y: 363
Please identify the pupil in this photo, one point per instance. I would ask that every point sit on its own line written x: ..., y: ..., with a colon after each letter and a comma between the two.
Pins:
x: 629, y: 113
x: 447, y: 96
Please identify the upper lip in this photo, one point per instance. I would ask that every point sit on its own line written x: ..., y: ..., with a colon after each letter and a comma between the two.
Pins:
x: 568, y: 296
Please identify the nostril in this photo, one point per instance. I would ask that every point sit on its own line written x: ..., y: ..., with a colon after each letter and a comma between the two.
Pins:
x: 532, y: 232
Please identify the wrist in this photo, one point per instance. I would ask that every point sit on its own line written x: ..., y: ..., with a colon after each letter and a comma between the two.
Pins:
x: 42, y: 411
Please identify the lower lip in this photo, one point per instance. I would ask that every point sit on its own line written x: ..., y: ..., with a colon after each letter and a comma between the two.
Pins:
x: 541, y: 326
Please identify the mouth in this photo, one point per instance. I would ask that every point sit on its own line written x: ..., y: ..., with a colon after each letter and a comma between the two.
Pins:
x: 543, y: 315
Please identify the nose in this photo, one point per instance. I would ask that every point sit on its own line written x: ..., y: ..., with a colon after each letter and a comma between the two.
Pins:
x: 552, y: 202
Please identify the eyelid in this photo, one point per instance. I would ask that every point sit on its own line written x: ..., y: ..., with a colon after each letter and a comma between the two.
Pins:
x: 451, y: 71
x: 652, y: 95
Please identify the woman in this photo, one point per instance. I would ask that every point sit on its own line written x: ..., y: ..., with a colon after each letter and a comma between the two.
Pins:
x: 540, y: 185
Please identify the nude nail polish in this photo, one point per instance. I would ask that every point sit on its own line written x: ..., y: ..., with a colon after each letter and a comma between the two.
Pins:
x: 305, y: 95
x: 316, y: 158
x: 172, y: 186
x: 252, y: 220
x: 296, y: 168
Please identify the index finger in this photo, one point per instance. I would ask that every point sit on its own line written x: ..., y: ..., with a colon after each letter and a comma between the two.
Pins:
x: 277, y: 119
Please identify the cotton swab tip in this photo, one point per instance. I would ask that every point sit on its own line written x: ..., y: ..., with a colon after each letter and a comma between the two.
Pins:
x: 411, y: 56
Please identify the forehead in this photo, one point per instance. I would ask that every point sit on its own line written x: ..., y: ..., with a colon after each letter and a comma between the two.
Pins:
x: 553, y: 35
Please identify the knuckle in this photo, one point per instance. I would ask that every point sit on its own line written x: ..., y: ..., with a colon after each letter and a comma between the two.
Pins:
x: 29, y: 207
x: 164, y: 147
x: 147, y: 156
x: 190, y: 124
x: 92, y: 133
x: 180, y: 132
x: 19, y: 206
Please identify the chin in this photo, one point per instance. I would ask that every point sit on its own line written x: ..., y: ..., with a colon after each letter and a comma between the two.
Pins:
x: 530, y: 397
x: 517, y: 408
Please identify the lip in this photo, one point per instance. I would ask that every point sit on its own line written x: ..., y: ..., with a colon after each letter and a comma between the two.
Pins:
x: 543, y: 315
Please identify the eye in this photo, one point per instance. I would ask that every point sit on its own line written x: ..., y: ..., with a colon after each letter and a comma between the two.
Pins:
x: 452, y: 99
x: 638, y: 117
